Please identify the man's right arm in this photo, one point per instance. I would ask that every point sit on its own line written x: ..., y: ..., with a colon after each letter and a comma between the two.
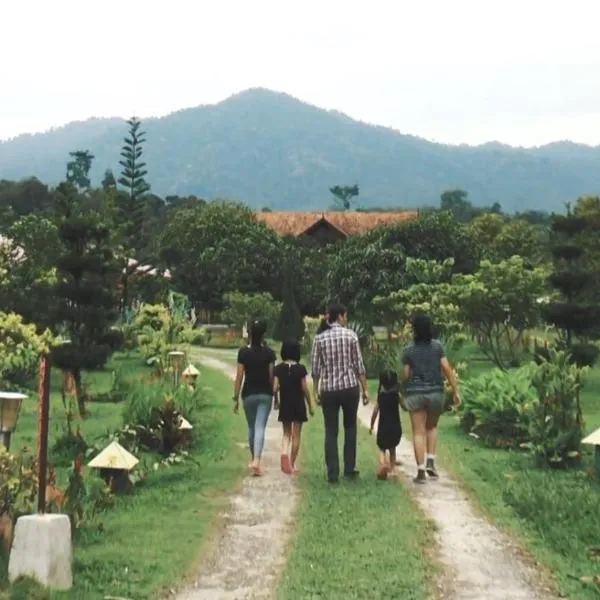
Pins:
x: 315, y: 368
x: 359, y: 367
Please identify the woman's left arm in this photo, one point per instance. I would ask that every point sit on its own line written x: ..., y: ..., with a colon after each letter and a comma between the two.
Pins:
x: 237, y: 386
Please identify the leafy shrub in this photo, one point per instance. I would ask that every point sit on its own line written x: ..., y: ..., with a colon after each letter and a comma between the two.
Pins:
x: 497, y: 406
x: 582, y: 355
x: 244, y: 308
x: 197, y: 337
x: 18, y: 483
x: 556, y: 427
x: 152, y: 416
x: 153, y: 316
x: 20, y: 349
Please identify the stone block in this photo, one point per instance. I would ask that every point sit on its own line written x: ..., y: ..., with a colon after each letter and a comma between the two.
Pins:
x: 42, y: 550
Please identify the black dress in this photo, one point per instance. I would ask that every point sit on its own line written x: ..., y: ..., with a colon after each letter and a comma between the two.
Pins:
x: 292, y: 405
x: 389, y: 430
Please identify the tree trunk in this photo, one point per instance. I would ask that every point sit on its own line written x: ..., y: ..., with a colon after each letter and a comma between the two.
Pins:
x: 79, y: 394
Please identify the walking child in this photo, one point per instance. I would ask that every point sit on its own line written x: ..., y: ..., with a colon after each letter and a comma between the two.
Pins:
x: 292, y: 398
x: 389, y: 429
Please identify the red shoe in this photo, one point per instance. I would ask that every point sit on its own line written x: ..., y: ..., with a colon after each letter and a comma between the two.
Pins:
x: 286, y: 465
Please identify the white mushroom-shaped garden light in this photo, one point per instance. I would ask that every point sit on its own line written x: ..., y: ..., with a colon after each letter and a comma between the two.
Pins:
x: 190, y: 375
x: 594, y: 440
x: 114, y: 463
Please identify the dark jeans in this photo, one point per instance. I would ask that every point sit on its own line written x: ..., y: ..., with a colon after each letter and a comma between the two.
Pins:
x: 347, y: 400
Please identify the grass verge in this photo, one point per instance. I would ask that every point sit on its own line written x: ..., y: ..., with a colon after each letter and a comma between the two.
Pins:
x: 152, y: 538
x: 356, y: 540
x: 554, y: 514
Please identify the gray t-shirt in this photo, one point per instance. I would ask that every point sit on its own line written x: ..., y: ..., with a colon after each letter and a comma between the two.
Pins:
x: 424, y: 360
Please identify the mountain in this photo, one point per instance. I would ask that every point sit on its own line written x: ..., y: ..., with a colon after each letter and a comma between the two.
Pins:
x: 269, y: 149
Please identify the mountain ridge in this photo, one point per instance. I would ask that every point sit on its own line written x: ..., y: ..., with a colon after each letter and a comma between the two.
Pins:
x: 270, y: 149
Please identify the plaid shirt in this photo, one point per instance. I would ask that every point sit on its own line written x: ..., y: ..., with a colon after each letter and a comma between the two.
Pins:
x: 336, y: 359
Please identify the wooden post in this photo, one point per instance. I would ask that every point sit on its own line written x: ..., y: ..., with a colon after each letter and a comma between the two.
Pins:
x: 43, y: 410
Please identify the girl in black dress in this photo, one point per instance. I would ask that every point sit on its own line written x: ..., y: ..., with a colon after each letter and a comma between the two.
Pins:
x: 389, y: 429
x: 291, y: 392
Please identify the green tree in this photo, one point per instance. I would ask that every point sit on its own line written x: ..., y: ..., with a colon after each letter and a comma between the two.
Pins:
x: 577, y: 311
x: 484, y: 229
x: 130, y: 207
x: 108, y: 181
x: 500, y: 238
x: 363, y: 267
x: 343, y: 195
x: 290, y: 324
x: 499, y: 303
x: 29, y: 279
x: 218, y: 247
x: 457, y: 202
x: 133, y: 172
x: 245, y: 308
x: 78, y: 169
x: 310, y: 262
x: 85, y: 291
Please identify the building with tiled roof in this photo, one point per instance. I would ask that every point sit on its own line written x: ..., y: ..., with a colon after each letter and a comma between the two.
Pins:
x: 330, y: 226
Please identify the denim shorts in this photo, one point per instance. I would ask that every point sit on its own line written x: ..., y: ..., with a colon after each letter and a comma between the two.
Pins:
x: 431, y: 402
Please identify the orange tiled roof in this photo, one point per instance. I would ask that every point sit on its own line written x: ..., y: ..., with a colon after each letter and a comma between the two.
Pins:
x: 348, y: 222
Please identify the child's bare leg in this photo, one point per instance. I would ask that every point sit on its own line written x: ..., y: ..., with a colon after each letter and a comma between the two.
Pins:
x: 286, y: 438
x: 393, y: 463
x: 382, y: 470
x: 296, y: 438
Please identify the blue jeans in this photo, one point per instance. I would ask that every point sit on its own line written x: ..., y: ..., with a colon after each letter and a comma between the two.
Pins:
x: 257, y: 408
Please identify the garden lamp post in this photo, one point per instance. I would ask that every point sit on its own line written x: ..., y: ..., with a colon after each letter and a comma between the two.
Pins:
x: 176, y: 357
x: 10, y: 406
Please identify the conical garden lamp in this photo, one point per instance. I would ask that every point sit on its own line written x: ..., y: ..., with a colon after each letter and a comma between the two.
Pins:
x: 593, y: 439
x: 10, y: 407
x: 190, y: 375
x: 114, y: 464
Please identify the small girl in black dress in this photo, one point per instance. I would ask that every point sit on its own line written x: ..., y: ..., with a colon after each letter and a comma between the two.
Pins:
x: 291, y: 391
x: 389, y: 429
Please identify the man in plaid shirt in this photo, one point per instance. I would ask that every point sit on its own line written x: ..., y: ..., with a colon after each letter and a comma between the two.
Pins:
x: 337, y: 365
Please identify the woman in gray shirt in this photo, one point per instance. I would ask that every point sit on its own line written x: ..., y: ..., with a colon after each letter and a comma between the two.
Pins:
x: 425, y: 366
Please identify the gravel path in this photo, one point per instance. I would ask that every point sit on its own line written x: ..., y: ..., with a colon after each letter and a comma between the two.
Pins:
x: 480, y: 562
x: 250, y: 553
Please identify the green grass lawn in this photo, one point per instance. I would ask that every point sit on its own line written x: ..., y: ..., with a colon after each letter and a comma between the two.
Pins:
x: 554, y: 514
x: 356, y: 540
x: 153, y: 537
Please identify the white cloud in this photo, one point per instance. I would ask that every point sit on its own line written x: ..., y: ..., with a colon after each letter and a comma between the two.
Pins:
x: 463, y: 71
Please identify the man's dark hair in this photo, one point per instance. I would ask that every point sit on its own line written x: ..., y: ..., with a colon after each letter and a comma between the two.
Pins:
x: 323, y: 326
x: 336, y: 311
x: 422, y: 329
x: 290, y: 350
x: 257, y: 333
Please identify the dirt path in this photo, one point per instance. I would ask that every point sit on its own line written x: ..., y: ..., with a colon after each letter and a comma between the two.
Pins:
x: 480, y: 562
x: 250, y: 553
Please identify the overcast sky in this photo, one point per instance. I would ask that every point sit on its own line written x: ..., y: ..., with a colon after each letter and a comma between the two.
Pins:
x: 522, y: 72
